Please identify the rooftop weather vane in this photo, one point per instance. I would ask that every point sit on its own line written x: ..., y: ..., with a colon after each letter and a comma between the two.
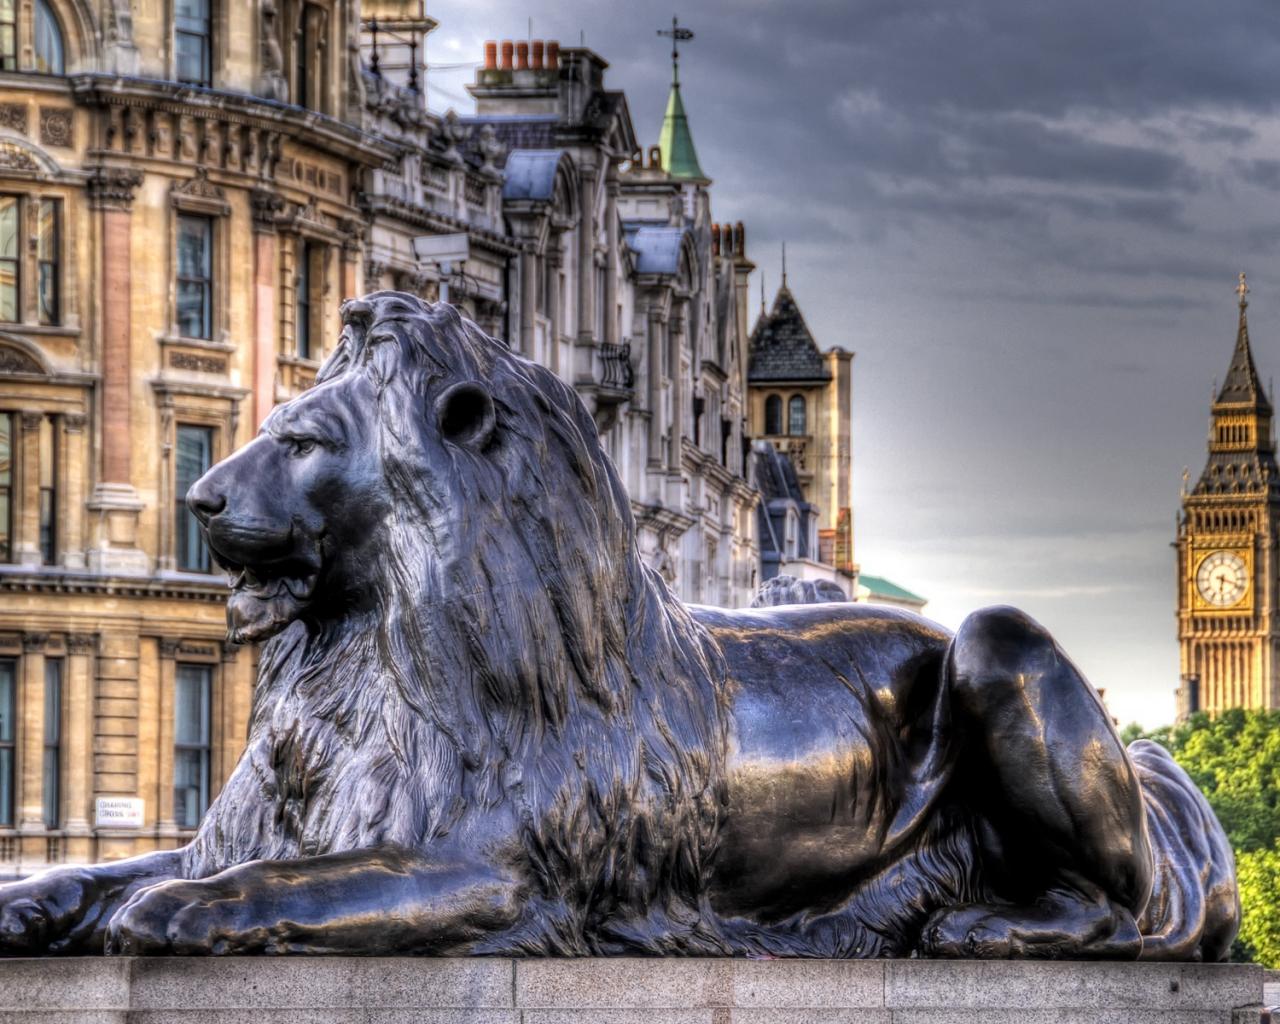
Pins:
x: 678, y: 35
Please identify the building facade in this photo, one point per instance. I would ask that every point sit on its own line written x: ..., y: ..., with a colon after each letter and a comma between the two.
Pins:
x: 178, y: 219
x: 800, y: 402
x: 186, y: 194
x: 1227, y: 547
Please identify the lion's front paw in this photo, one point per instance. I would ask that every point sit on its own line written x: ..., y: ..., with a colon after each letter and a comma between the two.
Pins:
x: 184, y: 918
x: 969, y: 932
x: 36, y: 914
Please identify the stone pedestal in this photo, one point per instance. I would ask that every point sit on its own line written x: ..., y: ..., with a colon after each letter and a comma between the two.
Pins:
x: 623, y: 991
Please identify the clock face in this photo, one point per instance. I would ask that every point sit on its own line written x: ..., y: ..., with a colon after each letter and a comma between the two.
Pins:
x: 1223, y: 578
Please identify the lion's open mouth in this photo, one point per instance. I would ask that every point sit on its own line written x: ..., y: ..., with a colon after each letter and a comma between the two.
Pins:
x: 266, y: 598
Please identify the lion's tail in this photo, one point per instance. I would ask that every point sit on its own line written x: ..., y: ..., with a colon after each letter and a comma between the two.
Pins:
x: 1194, y: 911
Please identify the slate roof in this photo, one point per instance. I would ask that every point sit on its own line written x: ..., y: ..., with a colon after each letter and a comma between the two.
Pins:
x: 775, y: 475
x: 514, y: 131
x: 656, y: 248
x: 781, y: 346
x: 531, y: 174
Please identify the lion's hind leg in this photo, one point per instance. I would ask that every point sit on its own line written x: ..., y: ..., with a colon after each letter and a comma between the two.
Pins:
x: 1194, y: 910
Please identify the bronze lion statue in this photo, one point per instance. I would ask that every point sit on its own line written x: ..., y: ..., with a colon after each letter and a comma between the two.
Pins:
x: 483, y: 726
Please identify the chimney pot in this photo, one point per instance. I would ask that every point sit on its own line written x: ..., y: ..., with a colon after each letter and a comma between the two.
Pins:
x: 522, y: 56
x: 508, y: 48
x: 742, y: 241
x: 715, y: 239
x: 490, y: 55
x: 553, y: 55
x: 537, y: 54
x: 726, y: 244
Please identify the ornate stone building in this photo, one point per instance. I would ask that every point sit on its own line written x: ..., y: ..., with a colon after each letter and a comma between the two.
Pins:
x: 1227, y: 550
x: 801, y: 403
x: 629, y: 291
x: 186, y: 194
x: 179, y: 216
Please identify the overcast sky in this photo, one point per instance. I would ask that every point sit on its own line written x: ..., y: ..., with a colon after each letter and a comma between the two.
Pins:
x: 1026, y: 219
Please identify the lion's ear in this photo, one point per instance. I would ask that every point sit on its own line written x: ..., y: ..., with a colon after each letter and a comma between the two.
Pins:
x: 465, y: 414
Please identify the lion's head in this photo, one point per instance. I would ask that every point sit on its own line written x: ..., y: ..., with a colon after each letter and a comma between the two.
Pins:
x: 444, y: 561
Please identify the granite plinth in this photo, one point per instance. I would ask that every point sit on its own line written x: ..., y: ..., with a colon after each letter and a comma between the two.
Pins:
x: 622, y: 991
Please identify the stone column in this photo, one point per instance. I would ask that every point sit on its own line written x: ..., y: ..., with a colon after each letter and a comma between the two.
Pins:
x: 528, y: 298
x: 351, y: 287
x: 165, y: 822
x: 115, y: 550
x: 587, y: 257
x: 31, y: 736
x: 71, y: 472
x: 654, y: 326
x: 266, y: 206
x: 677, y: 391
x: 610, y: 297
x: 28, y: 517
x: 555, y: 314
x: 78, y: 744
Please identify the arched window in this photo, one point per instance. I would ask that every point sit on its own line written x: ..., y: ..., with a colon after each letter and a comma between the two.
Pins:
x: 50, y: 53
x: 773, y: 415
x: 795, y: 415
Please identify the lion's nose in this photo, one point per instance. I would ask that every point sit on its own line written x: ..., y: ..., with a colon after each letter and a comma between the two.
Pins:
x: 205, y: 499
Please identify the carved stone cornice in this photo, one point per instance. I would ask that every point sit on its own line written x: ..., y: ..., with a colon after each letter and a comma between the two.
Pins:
x: 112, y: 188
x: 199, y: 194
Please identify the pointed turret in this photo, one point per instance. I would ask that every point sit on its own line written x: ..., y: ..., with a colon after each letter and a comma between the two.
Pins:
x: 1241, y: 452
x: 679, y: 158
x: 1241, y: 385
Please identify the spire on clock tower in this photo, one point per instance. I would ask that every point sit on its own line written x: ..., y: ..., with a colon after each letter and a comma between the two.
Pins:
x: 1241, y: 452
x: 1242, y: 387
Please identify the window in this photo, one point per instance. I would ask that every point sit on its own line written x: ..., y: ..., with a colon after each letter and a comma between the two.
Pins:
x: 302, y: 325
x: 8, y: 35
x: 192, y: 37
x: 6, y: 486
x: 773, y: 415
x: 307, y: 57
x: 8, y: 729
x: 48, y: 245
x: 48, y: 490
x: 795, y: 415
x: 194, y: 456
x: 191, y: 744
x: 195, y: 276
x: 51, y: 791
x: 9, y: 276
x: 50, y: 58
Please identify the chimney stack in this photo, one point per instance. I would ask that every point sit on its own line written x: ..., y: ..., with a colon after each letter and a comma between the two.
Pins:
x: 507, y: 49
x: 741, y: 250
x: 553, y: 55
x: 537, y: 54
x: 715, y: 239
x: 490, y: 55
x: 522, y: 56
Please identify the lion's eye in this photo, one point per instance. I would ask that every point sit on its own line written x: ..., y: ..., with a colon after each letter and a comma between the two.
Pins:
x: 301, y: 446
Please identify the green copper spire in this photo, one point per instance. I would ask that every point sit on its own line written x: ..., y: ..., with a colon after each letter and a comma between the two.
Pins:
x: 679, y: 158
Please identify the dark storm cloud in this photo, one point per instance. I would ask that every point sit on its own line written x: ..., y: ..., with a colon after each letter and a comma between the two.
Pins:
x: 1026, y: 217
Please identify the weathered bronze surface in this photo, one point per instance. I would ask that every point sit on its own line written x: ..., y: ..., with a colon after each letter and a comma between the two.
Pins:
x: 482, y: 725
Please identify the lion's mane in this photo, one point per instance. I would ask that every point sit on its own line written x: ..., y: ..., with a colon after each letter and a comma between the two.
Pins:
x: 521, y: 662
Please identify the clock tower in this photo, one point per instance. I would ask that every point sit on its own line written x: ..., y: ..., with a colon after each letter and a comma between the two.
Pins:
x: 1228, y: 568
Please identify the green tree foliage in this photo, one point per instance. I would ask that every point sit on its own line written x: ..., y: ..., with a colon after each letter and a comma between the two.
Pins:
x: 1235, y: 760
x: 1258, y: 872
